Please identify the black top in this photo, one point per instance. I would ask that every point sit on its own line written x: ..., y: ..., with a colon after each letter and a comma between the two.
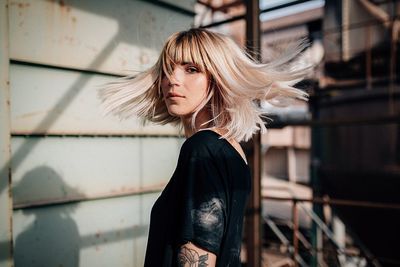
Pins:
x: 203, y: 203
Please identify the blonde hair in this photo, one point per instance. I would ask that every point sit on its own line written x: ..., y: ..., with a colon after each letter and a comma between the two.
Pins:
x: 237, y: 83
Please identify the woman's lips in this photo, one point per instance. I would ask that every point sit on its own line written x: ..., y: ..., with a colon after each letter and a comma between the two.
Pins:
x: 171, y: 95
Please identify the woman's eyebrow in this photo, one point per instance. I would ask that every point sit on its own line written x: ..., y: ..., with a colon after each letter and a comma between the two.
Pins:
x: 187, y: 63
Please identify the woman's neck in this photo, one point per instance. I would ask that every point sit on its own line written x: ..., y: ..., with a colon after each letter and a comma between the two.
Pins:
x: 202, y: 122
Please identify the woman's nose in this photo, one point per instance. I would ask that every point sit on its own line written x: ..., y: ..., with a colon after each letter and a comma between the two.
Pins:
x: 174, y: 78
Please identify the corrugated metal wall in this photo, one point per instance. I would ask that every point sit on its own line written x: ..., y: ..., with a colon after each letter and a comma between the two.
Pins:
x: 83, y: 184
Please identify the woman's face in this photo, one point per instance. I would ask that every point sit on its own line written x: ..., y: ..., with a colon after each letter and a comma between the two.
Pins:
x: 185, y: 90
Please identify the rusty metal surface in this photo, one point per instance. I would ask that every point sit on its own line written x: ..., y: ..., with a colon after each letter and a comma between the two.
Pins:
x: 103, y: 233
x: 57, y: 101
x: 6, y: 258
x: 91, y: 35
x: 73, y: 168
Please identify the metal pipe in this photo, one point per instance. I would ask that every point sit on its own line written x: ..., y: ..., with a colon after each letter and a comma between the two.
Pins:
x: 300, y: 260
x: 339, y: 202
x: 285, y: 241
x: 388, y: 119
x: 253, y: 220
x: 277, y: 232
x: 295, y: 218
x: 323, y: 227
x: 392, y: 66
x: 314, y: 175
x: 368, y: 59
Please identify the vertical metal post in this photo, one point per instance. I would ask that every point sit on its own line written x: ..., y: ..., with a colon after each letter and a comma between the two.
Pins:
x: 291, y: 162
x: 315, y: 182
x: 368, y: 55
x: 6, y: 258
x: 345, y: 36
x: 392, y: 67
x: 253, y: 38
x: 295, y: 218
x: 253, y: 220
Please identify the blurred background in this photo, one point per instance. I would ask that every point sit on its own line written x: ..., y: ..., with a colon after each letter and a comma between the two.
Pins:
x: 76, y: 187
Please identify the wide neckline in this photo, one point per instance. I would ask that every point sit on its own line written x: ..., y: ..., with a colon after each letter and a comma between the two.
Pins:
x: 228, y: 143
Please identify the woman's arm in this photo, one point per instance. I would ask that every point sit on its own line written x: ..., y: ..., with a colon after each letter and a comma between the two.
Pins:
x: 191, y: 255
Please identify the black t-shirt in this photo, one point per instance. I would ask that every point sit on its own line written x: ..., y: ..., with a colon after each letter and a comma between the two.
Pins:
x: 203, y: 203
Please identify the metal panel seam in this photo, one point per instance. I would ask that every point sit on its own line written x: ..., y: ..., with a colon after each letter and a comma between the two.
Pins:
x: 173, y: 7
x: 62, y: 201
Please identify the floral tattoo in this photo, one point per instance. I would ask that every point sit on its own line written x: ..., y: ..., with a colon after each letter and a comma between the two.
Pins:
x: 190, y: 258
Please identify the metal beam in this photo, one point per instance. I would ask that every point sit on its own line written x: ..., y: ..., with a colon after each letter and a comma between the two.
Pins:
x: 253, y: 219
x: 244, y: 16
x: 350, y: 121
x: 338, y: 202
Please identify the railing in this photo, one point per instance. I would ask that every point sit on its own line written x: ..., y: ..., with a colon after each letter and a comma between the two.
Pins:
x: 293, y: 248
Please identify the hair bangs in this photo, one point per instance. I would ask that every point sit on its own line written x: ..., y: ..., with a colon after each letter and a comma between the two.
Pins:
x: 183, y: 48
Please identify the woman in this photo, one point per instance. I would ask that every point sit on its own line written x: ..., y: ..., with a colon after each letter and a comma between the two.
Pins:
x: 204, y: 82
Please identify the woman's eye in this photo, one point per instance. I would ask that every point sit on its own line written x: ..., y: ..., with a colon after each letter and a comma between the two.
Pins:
x: 192, y: 70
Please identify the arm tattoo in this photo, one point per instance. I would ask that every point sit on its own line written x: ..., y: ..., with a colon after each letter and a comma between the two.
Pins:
x: 190, y: 258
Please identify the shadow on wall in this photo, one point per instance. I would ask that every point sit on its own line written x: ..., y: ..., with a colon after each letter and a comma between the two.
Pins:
x: 52, y: 238
x: 48, y: 235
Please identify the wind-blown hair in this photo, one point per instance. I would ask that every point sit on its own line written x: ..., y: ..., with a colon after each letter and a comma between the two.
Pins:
x: 237, y: 83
